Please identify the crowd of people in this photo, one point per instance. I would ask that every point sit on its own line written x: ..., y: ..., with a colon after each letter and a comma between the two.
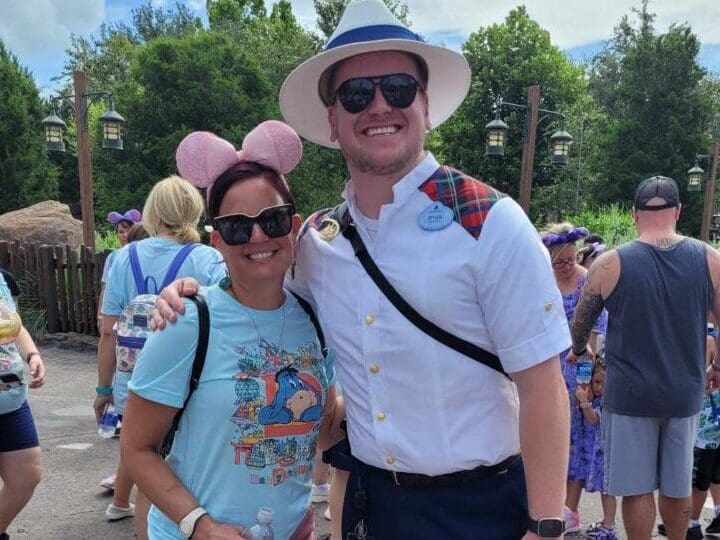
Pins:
x: 489, y: 374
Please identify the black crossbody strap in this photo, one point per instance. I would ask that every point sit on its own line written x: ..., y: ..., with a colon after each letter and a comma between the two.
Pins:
x: 466, y: 348
x: 307, y: 308
x: 197, y: 367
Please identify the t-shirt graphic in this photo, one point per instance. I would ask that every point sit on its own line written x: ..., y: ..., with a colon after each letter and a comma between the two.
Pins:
x: 13, y: 388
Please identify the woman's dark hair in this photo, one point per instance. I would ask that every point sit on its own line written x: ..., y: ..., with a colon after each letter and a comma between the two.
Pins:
x: 137, y: 232
x: 593, y: 239
x: 585, y: 253
x: 243, y: 171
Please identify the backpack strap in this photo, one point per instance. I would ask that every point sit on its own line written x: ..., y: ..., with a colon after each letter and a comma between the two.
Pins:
x: 176, y: 264
x: 136, y: 269
x: 197, y: 367
x: 307, y: 308
x: 452, y: 341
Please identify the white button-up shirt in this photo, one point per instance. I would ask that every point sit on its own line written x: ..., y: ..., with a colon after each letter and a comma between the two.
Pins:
x: 413, y: 404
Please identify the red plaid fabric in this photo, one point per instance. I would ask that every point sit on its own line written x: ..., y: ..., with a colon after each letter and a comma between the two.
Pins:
x: 468, y: 198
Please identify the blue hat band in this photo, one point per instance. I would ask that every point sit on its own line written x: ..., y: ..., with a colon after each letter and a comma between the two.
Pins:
x: 373, y: 33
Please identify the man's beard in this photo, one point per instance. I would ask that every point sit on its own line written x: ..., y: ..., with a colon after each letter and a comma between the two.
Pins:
x: 366, y: 163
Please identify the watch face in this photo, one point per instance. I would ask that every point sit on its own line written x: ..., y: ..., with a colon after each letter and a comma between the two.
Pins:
x: 550, y: 527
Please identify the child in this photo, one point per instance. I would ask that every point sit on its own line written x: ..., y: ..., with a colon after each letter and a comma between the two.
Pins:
x: 589, y: 400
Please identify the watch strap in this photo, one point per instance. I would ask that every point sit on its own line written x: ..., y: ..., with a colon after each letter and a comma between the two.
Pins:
x: 551, y: 527
x: 188, y: 523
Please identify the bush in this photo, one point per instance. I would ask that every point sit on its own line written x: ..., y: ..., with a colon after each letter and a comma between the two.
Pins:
x: 614, y: 223
x: 29, y: 307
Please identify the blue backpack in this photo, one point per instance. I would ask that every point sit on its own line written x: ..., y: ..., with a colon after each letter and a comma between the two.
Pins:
x: 133, y: 326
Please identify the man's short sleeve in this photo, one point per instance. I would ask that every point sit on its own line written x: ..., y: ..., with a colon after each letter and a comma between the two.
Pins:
x: 517, y: 292
x: 297, y: 278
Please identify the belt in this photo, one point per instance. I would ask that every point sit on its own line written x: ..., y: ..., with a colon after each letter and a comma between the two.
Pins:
x: 414, y: 480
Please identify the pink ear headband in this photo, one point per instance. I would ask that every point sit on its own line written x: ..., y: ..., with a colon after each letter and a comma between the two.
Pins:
x: 202, y: 157
x: 132, y: 215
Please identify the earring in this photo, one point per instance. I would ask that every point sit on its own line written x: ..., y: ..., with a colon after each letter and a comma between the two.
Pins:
x: 225, y: 282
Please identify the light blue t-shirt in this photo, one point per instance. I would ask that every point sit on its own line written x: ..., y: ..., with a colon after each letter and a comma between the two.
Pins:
x: 108, y: 264
x: 13, y: 386
x: 248, y: 436
x: 204, y: 263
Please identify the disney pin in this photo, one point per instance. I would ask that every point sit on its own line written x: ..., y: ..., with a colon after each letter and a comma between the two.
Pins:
x: 329, y: 229
x: 435, y: 217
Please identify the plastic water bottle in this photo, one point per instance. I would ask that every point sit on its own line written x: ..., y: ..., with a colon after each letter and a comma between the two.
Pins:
x: 584, y: 370
x: 108, y: 422
x: 262, y: 529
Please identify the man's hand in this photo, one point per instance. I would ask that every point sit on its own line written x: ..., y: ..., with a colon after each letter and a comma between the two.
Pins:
x: 99, y: 405
x: 573, y: 358
x: 208, y: 529
x: 713, y: 376
x: 37, y: 371
x: 170, y: 302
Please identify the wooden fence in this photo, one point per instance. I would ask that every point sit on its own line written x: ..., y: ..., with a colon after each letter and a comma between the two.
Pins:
x: 64, y: 280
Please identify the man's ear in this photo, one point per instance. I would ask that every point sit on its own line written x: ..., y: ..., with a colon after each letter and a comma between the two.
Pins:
x: 678, y: 210
x: 426, y: 106
x: 332, y: 121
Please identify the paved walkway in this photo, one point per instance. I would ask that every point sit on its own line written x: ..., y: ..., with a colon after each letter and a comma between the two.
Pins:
x: 69, y: 504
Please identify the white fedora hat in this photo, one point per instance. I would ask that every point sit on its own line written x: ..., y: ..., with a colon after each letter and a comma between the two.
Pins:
x: 368, y: 26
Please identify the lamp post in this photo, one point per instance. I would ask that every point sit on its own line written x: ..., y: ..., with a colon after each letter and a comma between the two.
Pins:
x: 695, y: 177
x: 112, y: 138
x: 497, y: 129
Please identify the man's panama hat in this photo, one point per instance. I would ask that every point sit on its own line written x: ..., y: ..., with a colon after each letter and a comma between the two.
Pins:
x: 368, y: 26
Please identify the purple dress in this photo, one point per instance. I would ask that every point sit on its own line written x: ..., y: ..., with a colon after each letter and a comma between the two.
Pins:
x: 594, y: 451
x: 578, y: 465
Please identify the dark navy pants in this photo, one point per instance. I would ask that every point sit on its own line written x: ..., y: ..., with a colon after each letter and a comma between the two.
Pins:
x: 489, y: 508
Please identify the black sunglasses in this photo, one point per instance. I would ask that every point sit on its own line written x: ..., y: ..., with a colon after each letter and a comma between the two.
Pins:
x: 236, y: 229
x: 399, y: 91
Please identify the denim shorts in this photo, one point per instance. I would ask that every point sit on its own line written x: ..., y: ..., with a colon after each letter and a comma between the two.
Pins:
x: 17, y: 430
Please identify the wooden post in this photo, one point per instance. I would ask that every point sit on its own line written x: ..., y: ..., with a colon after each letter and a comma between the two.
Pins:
x: 61, y: 266
x: 709, y: 192
x: 84, y: 163
x: 47, y: 258
x: 528, y: 154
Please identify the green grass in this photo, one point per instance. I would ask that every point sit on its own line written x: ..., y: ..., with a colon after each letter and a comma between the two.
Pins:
x: 614, y: 223
x: 107, y: 240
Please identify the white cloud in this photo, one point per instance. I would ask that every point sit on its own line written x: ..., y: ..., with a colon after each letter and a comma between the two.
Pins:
x: 570, y: 23
x: 43, y: 27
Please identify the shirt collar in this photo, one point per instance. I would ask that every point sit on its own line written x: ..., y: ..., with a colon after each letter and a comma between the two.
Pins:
x: 406, y: 186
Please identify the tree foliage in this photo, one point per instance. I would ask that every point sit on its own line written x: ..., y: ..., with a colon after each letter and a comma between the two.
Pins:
x: 26, y: 173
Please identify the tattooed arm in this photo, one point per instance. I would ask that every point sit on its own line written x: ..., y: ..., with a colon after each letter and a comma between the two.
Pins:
x: 601, y: 280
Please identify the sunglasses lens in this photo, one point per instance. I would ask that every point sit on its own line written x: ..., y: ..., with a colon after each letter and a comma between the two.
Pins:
x: 276, y: 222
x: 356, y: 94
x: 235, y: 230
x: 399, y: 90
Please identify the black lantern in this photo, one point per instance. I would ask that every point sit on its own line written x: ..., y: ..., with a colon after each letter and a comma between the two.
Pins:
x: 112, y: 129
x: 695, y: 177
x: 54, y: 130
x: 561, y: 141
x: 495, y: 145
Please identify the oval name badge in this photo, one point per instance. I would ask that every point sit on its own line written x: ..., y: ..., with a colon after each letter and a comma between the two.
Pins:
x: 435, y: 217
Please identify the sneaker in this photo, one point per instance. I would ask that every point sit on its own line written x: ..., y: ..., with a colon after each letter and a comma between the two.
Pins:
x: 108, y: 483
x: 326, y: 514
x: 320, y: 494
x: 714, y: 527
x: 113, y: 513
x: 117, y: 429
x: 694, y: 533
x: 572, y: 521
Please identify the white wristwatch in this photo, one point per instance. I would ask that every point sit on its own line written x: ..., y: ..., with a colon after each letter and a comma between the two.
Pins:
x: 187, y: 524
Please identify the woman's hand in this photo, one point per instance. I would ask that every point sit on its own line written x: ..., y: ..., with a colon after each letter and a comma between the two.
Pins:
x: 99, y: 405
x: 582, y: 394
x: 170, y: 301
x: 208, y: 529
x: 37, y: 371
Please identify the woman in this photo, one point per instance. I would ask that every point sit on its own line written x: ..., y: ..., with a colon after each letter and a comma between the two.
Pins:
x: 591, y: 250
x: 560, y: 240
x: 123, y: 222
x: 171, y: 215
x: 249, y: 433
x: 20, y: 458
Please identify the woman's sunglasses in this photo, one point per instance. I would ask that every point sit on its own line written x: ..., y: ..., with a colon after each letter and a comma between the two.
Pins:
x: 236, y: 229
x: 398, y: 89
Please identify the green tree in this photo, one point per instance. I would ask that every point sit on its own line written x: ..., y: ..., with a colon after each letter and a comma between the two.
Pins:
x: 505, y: 59
x: 651, y: 86
x: 224, y: 12
x: 330, y: 11
x: 26, y: 173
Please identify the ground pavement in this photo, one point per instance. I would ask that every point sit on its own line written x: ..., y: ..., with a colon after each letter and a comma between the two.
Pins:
x: 68, y: 504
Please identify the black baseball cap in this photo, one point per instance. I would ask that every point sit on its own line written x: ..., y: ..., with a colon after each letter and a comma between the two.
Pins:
x: 657, y: 187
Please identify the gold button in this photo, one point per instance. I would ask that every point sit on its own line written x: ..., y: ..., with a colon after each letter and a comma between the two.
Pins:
x: 548, y: 307
x: 374, y: 368
x: 369, y: 319
x: 390, y: 460
x: 381, y: 416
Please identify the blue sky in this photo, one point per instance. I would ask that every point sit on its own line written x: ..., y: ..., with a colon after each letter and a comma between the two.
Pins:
x: 38, y: 31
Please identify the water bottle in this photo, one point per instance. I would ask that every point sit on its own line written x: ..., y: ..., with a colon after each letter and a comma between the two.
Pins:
x: 262, y: 529
x: 584, y: 370
x: 108, y: 422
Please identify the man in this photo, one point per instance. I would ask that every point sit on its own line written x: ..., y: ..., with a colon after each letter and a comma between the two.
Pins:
x: 434, y: 435
x: 657, y: 290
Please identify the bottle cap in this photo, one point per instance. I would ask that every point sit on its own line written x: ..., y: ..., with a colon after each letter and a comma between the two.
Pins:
x: 265, y: 515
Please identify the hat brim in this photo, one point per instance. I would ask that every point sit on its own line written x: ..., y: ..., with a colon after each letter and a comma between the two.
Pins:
x: 302, y: 108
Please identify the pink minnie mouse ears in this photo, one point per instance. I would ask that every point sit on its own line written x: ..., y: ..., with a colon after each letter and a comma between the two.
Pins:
x: 202, y: 157
x: 132, y: 215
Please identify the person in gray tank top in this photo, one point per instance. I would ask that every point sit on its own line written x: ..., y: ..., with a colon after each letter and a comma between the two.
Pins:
x: 657, y: 290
